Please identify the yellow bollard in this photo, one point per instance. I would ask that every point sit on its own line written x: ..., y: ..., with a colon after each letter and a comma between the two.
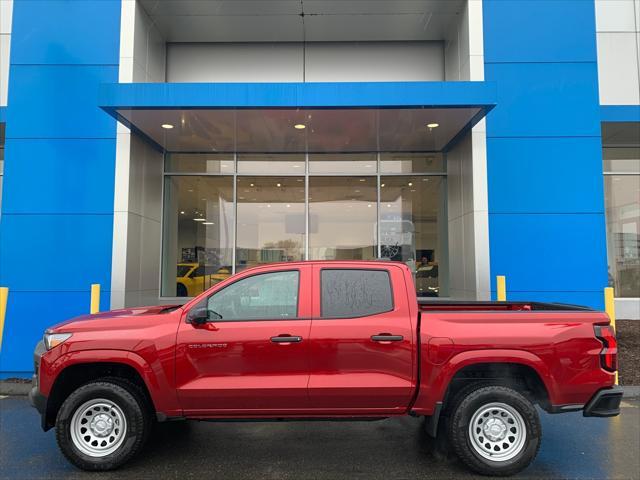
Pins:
x: 4, y: 297
x: 501, y: 285
x: 610, y: 308
x: 95, y: 298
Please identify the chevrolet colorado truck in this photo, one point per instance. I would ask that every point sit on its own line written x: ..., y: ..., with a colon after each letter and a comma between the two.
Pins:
x: 325, y: 340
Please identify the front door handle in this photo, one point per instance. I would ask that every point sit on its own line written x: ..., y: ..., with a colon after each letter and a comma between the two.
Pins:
x: 387, y: 337
x: 286, y: 339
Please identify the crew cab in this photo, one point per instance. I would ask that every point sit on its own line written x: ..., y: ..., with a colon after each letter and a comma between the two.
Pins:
x: 325, y: 340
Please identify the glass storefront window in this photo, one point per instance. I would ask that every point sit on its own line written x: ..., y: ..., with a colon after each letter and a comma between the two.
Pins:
x: 622, y: 203
x: 342, y: 218
x: 294, y: 207
x: 271, y: 223
x: 198, y: 233
x: 411, y: 163
x: 412, y: 228
x: 199, y: 163
x: 354, y: 163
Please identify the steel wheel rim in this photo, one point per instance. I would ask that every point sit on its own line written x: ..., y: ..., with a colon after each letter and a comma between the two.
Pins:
x: 98, y: 427
x: 497, y: 432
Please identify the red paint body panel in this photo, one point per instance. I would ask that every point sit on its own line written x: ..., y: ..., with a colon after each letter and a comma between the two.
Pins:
x: 233, y: 369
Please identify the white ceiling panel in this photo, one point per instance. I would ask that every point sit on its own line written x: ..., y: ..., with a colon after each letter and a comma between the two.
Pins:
x: 282, y: 20
x: 390, y: 7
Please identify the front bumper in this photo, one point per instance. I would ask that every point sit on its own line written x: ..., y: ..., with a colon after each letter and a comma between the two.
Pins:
x: 36, y: 398
x: 605, y: 403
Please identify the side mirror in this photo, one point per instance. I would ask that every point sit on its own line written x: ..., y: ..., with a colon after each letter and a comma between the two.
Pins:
x: 198, y: 315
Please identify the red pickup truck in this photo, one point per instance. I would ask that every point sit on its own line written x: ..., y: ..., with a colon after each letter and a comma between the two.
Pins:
x: 329, y: 340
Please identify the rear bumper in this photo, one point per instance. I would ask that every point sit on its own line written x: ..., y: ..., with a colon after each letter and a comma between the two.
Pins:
x: 605, y: 403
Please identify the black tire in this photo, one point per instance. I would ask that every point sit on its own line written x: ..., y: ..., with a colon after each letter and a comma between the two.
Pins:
x: 131, y: 404
x: 474, y: 400
x: 181, y: 290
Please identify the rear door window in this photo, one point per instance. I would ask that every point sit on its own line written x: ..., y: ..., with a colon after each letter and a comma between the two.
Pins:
x: 347, y: 293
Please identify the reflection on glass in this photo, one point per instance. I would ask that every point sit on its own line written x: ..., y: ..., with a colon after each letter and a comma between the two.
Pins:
x: 622, y: 202
x: 411, y: 224
x: 342, y: 218
x: 411, y: 163
x: 271, y: 223
x: 358, y: 163
x: 290, y: 163
x: 198, y: 233
x: 199, y: 163
x: 621, y: 159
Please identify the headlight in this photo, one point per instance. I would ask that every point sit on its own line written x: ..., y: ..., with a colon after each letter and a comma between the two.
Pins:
x: 52, y: 340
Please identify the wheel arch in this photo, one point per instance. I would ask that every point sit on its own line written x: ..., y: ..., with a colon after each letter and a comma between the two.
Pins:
x: 77, y: 374
x: 521, y: 375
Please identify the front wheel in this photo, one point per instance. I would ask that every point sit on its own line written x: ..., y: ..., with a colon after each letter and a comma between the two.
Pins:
x: 101, y: 425
x: 494, y: 430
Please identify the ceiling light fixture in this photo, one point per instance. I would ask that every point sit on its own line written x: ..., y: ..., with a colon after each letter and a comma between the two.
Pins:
x: 431, y: 126
x: 278, y: 184
x: 181, y: 212
x: 252, y: 185
x: 207, y: 223
x: 410, y: 184
x: 167, y: 126
x: 199, y: 219
x: 299, y: 126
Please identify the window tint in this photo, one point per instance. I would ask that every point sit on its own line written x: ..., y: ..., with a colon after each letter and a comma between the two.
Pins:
x: 355, y: 293
x: 265, y: 296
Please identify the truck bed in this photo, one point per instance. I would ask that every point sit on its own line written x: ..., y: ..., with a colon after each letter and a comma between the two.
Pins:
x: 429, y: 304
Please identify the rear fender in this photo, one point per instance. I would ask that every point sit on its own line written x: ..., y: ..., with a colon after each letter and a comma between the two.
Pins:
x: 437, y: 378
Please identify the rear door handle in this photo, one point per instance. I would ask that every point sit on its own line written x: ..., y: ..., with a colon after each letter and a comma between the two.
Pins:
x: 286, y: 339
x: 387, y: 337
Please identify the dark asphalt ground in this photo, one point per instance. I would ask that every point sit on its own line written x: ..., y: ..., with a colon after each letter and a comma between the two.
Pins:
x: 573, y: 447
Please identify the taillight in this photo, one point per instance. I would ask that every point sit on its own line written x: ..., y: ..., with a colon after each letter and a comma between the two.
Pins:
x: 609, y: 354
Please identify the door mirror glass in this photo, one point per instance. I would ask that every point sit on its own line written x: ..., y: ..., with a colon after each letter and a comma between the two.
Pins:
x: 198, y: 314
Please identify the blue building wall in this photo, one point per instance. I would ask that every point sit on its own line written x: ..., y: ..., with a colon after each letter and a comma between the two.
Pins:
x: 546, y: 204
x: 57, y: 206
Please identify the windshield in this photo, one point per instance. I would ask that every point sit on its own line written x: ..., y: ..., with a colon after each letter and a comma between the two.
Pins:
x: 183, y: 270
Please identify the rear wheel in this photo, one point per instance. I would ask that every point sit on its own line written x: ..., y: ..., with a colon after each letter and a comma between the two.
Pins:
x: 101, y: 425
x: 494, y: 430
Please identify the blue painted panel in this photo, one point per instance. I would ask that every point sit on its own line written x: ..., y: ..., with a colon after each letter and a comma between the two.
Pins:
x: 58, y: 101
x: 55, y: 252
x: 257, y: 95
x: 589, y: 299
x: 541, y: 99
x: 29, y: 314
x: 620, y: 113
x: 73, y: 176
x: 65, y: 32
x: 545, y: 175
x: 539, y: 31
x: 549, y: 252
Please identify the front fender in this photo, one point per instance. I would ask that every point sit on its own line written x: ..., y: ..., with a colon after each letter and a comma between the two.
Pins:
x: 162, y: 394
